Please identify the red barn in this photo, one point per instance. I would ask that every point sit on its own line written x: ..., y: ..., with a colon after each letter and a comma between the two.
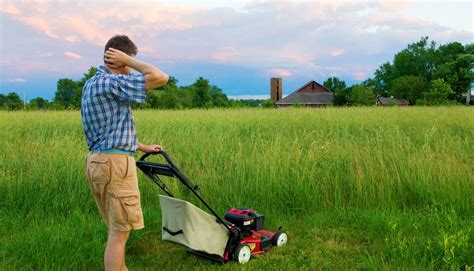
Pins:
x: 312, y: 94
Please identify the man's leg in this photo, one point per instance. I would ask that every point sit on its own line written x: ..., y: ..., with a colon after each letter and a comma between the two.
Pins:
x: 114, y: 258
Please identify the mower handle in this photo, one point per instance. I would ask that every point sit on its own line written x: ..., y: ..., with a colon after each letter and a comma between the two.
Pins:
x: 165, y: 155
x: 184, y: 180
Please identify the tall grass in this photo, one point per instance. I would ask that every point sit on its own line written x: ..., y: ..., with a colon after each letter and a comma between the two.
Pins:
x: 397, y: 173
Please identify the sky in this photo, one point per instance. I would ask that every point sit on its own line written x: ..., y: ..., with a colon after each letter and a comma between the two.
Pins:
x: 236, y: 45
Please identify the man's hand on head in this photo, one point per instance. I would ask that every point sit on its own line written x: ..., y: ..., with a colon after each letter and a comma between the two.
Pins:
x: 116, y: 59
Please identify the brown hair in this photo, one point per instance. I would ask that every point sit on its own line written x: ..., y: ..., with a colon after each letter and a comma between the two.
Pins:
x: 122, y: 43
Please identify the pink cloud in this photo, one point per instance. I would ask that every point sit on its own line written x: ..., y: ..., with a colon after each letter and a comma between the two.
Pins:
x: 360, y: 75
x: 225, y: 55
x: 393, y: 6
x: 279, y: 72
x: 72, y: 55
x: 72, y: 38
x: 10, y: 9
x: 337, y: 52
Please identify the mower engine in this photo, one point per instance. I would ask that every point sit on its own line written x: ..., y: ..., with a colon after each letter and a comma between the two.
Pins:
x: 254, y: 239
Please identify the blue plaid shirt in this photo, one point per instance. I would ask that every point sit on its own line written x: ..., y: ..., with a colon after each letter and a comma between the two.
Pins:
x: 107, y: 118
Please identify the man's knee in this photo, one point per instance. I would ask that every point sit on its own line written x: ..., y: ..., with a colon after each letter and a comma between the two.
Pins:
x: 118, y: 236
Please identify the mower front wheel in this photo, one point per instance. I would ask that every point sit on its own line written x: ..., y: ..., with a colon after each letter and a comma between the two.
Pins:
x: 280, y: 239
x: 242, y: 254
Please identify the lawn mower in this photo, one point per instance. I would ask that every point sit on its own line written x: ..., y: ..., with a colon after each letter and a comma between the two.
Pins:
x: 237, y: 236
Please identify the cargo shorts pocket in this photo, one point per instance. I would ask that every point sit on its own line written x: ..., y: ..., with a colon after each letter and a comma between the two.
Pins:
x: 98, y: 169
x: 98, y: 173
x: 125, y: 208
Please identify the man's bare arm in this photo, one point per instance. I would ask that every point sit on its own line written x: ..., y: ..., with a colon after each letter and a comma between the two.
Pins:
x: 154, y: 77
x: 149, y: 148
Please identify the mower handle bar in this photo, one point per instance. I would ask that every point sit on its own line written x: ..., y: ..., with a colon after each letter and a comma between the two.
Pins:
x: 184, y: 180
x: 165, y: 155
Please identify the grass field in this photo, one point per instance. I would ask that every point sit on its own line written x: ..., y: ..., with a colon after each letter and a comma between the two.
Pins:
x: 355, y: 188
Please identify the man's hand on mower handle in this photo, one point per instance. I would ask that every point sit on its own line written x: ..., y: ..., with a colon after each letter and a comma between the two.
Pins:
x: 149, y: 148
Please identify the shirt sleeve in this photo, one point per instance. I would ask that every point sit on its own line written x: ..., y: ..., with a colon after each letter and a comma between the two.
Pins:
x: 130, y: 87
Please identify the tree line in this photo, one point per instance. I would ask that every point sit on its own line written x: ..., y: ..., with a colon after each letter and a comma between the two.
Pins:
x: 423, y: 73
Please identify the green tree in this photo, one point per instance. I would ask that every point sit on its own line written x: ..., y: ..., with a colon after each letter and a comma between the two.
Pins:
x: 438, y: 93
x: 39, y: 103
x: 219, y: 99
x: 417, y: 59
x: 170, y: 99
x: 384, y: 76
x: 338, y: 87
x: 13, y: 101
x: 453, y: 65
x: 3, y: 101
x: 80, y: 85
x: 409, y: 87
x: 361, y: 95
x: 201, y: 95
x: 334, y: 84
x: 66, y: 89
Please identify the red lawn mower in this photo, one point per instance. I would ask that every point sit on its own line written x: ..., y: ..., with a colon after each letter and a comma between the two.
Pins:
x: 237, y: 236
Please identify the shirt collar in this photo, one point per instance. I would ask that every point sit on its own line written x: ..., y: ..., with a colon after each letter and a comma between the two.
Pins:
x: 103, y: 69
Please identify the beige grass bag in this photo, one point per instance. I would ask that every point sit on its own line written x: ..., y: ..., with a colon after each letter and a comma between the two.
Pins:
x: 186, y: 224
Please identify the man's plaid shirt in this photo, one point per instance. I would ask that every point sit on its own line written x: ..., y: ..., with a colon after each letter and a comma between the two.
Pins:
x: 107, y: 118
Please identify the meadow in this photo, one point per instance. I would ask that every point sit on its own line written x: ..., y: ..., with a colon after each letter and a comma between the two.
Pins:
x: 355, y: 188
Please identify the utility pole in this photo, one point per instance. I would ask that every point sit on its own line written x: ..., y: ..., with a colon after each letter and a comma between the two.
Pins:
x: 24, y: 99
x: 468, y: 96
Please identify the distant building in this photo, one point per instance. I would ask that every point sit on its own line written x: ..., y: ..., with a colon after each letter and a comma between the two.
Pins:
x: 383, y: 101
x: 312, y: 94
x: 276, y: 89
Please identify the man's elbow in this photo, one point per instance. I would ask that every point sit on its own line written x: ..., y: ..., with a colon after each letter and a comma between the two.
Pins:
x: 157, y: 81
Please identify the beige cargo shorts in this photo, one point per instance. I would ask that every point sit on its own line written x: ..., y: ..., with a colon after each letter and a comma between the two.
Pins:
x: 113, y: 182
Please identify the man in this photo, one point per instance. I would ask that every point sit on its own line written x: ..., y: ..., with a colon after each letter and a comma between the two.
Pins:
x: 109, y: 128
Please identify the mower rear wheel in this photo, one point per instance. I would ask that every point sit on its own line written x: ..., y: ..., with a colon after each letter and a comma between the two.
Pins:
x: 280, y: 239
x: 242, y: 254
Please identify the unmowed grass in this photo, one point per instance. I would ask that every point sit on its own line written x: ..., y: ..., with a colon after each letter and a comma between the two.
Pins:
x: 355, y: 188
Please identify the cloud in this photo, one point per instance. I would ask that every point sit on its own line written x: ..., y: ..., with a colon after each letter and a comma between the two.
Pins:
x: 225, y: 55
x: 16, y: 80
x: 9, y: 9
x: 279, y: 72
x: 336, y: 52
x: 72, y: 38
x: 360, y: 75
x: 45, y: 54
x: 303, y: 40
x: 72, y: 55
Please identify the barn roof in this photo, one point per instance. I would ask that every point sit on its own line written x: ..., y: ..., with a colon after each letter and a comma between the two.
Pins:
x: 308, y: 98
x: 310, y: 93
x: 388, y: 100
x: 315, y: 86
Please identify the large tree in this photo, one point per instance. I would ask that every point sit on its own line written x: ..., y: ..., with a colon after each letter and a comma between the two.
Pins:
x: 39, y: 103
x: 338, y: 87
x: 454, y: 63
x: 361, y: 95
x: 65, y: 94
x: 80, y: 85
x: 417, y: 59
x: 438, y: 93
x: 201, y: 96
x: 409, y: 87
x: 13, y: 101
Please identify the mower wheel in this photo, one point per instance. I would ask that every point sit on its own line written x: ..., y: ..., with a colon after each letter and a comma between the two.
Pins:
x: 280, y: 239
x: 242, y: 254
